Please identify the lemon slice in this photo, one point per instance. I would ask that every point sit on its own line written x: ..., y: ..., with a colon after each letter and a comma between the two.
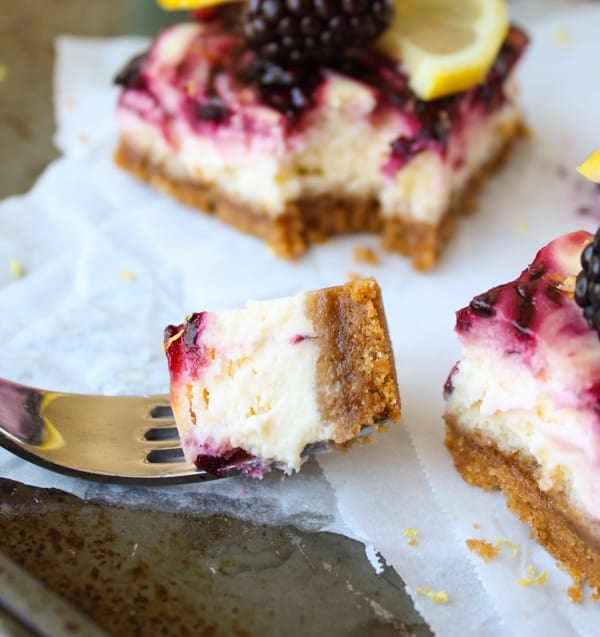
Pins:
x: 591, y: 167
x: 445, y: 46
x: 177, y: 5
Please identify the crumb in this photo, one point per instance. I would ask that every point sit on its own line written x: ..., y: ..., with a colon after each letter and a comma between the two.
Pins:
x: 486, y: 550
x: 476, y: 526
x: 562, y: 37
x: 595, y: 595
x: 522, y: 227
x: 83, y: 138
x: 127, y: 275
x: 365, y: 254
x: 412, y: 535
x: 575, y: 593
x: 352, y: 276
x: 3, y: 72
x: 501, y: 541
x: 16, y: 269
x: 437, y: 597
x: 70, y: 103
x: 535, y: 577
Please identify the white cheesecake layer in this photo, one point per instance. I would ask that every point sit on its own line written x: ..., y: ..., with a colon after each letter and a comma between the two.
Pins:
x: 337, y: 154
x: 258, y: 390
x: 342, y: 146
x: 531, y: 413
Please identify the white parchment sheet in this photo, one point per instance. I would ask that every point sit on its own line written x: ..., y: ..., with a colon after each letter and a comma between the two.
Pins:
x: 109, y: 263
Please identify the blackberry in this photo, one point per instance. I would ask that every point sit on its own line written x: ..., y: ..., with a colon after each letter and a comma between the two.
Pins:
x: 587, y: 284
x: 288, y: 90
x: 298, y: 31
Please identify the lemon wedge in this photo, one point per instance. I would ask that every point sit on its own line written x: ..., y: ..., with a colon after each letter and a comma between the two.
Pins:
x: 178, y: 5
x: 445, y: 46
x: 590, y: 168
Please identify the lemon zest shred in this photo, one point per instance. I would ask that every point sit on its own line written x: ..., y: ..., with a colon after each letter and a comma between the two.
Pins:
x: 536, y: 578
x: 502, y: 541
x: 16, y: 269
x: 437, y: 597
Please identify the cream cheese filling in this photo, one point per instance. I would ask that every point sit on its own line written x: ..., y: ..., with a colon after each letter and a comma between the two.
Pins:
x: 342, y: 150
x: 258, y: 391
x: 522, y: 412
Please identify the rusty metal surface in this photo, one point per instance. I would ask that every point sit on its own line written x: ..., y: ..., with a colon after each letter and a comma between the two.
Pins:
x: 143, y: 572
x: 138, y: 572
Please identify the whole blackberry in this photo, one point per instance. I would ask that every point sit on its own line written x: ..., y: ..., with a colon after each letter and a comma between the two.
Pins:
x: 297, y: 31
x: 587, y: 284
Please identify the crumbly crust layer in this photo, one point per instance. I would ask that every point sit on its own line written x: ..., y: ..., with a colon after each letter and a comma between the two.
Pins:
x: 310, y: 220
x: 356, y: 375
x: 559, y: 526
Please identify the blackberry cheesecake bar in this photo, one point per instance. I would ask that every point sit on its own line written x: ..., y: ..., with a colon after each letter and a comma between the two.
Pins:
x: 295, y: 121
x: 523, y: 403
x: 254, y: 387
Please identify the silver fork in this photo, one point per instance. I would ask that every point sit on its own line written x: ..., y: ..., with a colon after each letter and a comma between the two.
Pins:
x: 126, y: 439
x: 108, y: 438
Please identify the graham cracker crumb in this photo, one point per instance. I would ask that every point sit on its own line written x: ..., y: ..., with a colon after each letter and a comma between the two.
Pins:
x: 83, y: 138
x: 486, y: 550
x: 365, y: 254
x: 575, y: 593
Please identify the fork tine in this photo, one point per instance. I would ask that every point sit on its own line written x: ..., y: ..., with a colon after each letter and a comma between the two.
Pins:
x: 165, y: 454
x: 160, y: 411
x: 163, y: 432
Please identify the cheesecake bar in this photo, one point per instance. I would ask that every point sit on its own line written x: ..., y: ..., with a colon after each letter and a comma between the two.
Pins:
x: 523, y: 402
x: 258, y: 385
x: 298, y: 153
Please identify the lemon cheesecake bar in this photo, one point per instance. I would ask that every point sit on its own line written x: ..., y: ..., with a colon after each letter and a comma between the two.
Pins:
x: 296, y: 121
x: 523, y: 403
x: 256, y: 386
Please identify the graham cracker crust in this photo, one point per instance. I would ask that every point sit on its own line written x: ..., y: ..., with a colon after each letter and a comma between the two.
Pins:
x: 357, y: 384
x: 564, y: 531
x: 314, y: 219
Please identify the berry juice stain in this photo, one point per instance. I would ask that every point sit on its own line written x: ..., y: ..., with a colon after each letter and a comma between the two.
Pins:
x: 184, y: 348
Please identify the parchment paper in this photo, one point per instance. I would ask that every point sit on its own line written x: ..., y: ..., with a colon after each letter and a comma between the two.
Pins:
x: 108, y: 263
